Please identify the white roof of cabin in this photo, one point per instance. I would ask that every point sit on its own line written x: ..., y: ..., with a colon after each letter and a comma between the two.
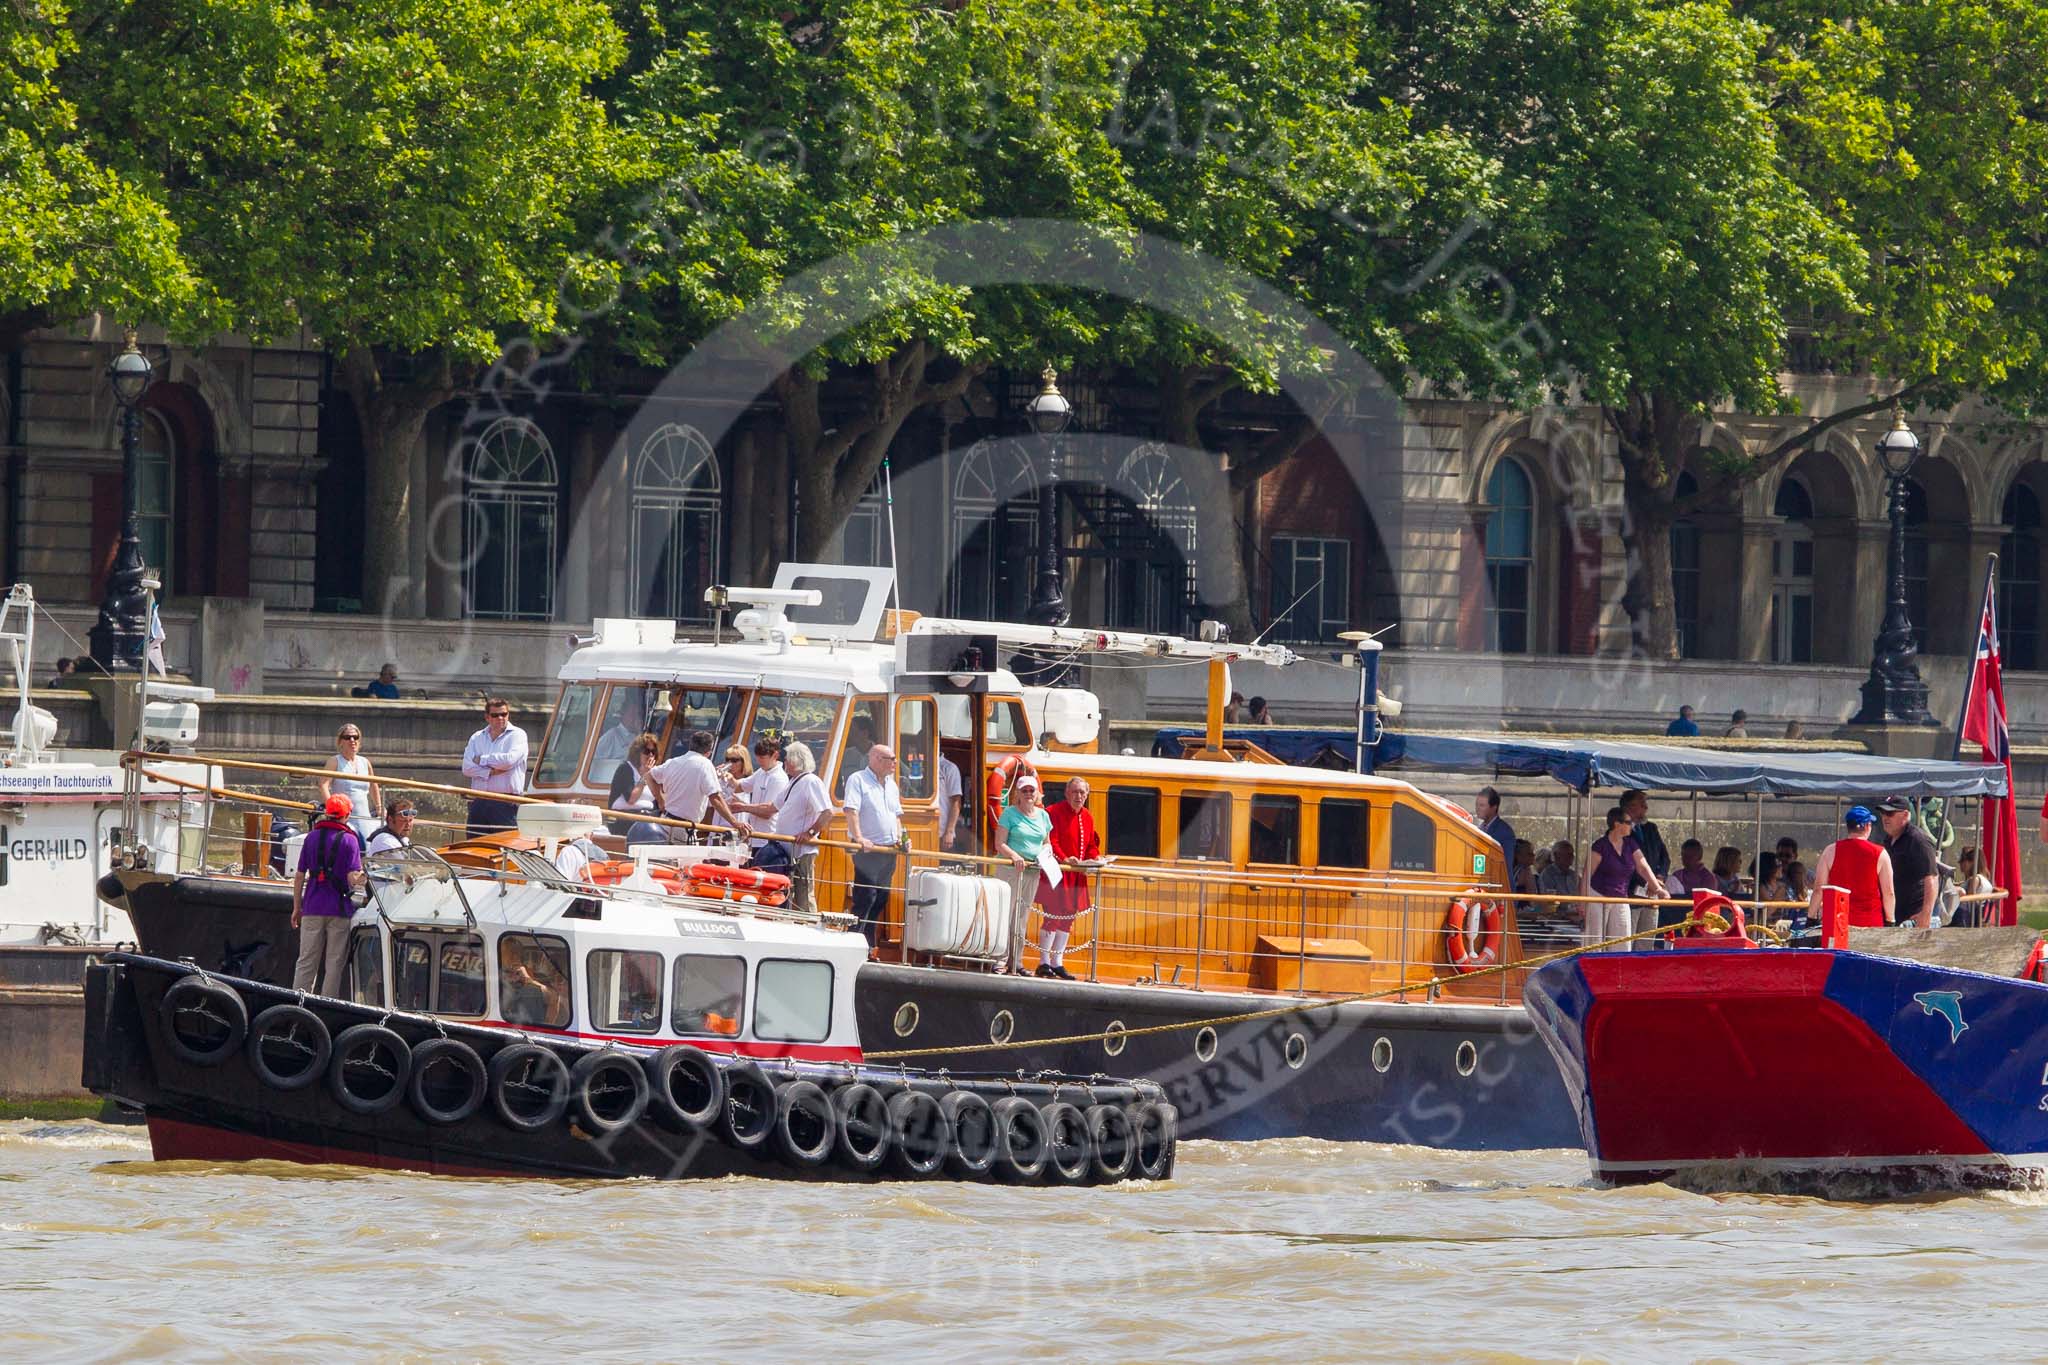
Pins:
x: 798, y: 667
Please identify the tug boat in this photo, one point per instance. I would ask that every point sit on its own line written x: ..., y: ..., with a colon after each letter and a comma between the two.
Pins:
x: 1231, y: 884
x: 1821, y: 1071
x: 515, y: 1022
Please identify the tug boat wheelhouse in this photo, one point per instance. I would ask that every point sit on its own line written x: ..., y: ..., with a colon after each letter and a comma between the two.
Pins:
x: 515, y: 1022
x: 1230, y: 888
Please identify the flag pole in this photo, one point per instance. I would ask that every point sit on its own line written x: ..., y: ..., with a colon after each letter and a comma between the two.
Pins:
x: 1970, y: 679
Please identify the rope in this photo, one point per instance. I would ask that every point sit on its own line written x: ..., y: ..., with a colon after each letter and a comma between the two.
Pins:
x: 1711, y: 921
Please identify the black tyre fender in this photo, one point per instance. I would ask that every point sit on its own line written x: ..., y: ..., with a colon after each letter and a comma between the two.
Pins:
x: 1022, y: 1146
x: 971, y: 1134
x: 747, y: 1117
x: 806, y: 1124
x: 1111, y: 1150
x: 449, y: 1082
x: 1155, y: 1131
x: 608, y: 1090
x: 529, y: 1086
x: 921, y: 1137
x: 294, y: 1035
x: 866, y: 1133
x: 370, y: 1068
x: 204, y: 1020
x: 1069, y: 1154
x: 686, y: 1090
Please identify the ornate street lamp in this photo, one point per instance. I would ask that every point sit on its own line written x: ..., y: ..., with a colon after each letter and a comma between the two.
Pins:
x: 1049, y: 412
x: 1894, y: 691
x: 119, y: 635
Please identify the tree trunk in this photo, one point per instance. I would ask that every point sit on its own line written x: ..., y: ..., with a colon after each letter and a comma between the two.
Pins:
x: 392, y: 417
x: 1656, y: 440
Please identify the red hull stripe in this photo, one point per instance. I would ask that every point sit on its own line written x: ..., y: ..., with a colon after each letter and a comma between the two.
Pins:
x: 175, y: 1140
x: 803, y: 1052
x: 1687, y: 1068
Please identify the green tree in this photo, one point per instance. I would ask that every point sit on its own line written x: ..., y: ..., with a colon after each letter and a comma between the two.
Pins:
x: 402, y: 178
x: 75, y: 235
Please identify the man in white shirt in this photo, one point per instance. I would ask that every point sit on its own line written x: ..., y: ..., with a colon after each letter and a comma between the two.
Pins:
x: 396, y: 831
x: 874, y: 816
x: 761, y: 791
x: 689, y: 785
x: 950, y: 791
x: 495, y: 763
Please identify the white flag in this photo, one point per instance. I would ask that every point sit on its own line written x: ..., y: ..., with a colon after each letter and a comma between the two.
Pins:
x: 154, y: 656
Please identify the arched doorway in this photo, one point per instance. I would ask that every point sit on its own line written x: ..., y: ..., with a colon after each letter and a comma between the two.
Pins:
x: 678, y: 524
x: 509, y: 534
x: 2019, y: 569
x: 1145, y: 528
x: 994, y: 532
x: 1792, y: 576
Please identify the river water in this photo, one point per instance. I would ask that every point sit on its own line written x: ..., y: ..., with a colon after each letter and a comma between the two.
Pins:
x: 1296, y: 1250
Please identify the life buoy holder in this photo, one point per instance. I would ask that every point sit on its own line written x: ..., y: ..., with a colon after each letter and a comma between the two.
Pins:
x: 2037, y: 962
x: 612, y: 871
x: 1459, y: 949
x: 1000, y: 777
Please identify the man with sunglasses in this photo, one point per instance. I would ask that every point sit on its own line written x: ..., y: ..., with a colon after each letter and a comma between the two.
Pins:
x: 495, y: 764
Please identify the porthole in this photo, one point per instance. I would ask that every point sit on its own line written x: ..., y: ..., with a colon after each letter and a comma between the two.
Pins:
x: 906, y: 1019
x: 1113, y: 1038
x: 1468, y: 1058
x: 1001, y: 1027
x: 1382, y: 1055
x: 1205, y: 1044
x: 1297, y: 1050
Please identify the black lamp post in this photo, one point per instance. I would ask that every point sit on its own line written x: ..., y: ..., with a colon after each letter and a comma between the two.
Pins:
x: 1894, y: 691
x: 1049, y: 412
x: 119, y: 635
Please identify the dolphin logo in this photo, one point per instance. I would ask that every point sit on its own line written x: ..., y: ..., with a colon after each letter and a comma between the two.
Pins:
x: 1947, y: 1004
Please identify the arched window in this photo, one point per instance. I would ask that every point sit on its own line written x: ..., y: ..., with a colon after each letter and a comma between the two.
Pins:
x: 864, y: 538
x: 1916, y: 563
x: 510, y: 530
x: 678, y: 524
x: 1150, y: 538
x: 995, y: 532
x: 1510, y: 557
x: 1792, y: 575
x: 2019, y: 579
x: 155, y: 463
x: 1685, y: 573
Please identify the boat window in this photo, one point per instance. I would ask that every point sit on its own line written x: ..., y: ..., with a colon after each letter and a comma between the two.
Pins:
x: 1411, y: 842
x: 1130, y: 825
x: 1275, y: 833
x: 716, y: 709
x: 805, y: 716
x: 868, y: 724
x: 793, y: 1002
x: 627, y: 712
x: 625, y: 991
x: 917, y: 763
x: 956, y: 716
x: 459, y: 983
x: 710, y: 990
x: 1205, y: 826
x: 561, y: 755
x: 366, y: 968
x: 1006, y: 722
x: 533, y: 980
x: 1341, y: 833
x: 412, y: 973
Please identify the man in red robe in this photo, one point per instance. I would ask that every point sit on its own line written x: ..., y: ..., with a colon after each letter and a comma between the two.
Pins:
x: 1073, y: 840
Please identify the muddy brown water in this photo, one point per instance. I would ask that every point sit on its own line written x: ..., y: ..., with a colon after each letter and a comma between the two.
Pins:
x: 1290, y: 1250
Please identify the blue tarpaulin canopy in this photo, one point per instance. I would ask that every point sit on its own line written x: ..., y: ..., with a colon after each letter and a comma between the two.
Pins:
x: 1583, y: 764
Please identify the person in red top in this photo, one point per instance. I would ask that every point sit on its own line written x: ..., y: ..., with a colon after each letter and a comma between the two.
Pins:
x: 1073, y: 840
x: 1860, y: 866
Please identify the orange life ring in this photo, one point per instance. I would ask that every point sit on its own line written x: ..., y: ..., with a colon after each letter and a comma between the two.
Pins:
x: 612, y: 871
x: 751, y: 886
x: 1458, y: 950
x: 1000, y: 777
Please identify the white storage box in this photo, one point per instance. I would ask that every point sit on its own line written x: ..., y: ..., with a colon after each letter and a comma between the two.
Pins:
x: 957, y: 915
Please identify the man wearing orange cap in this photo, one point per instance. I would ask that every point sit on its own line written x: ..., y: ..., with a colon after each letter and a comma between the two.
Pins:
x: 330, y: 866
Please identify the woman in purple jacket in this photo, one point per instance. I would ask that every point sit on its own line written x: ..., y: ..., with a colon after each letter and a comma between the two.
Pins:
x: 1614, y: 862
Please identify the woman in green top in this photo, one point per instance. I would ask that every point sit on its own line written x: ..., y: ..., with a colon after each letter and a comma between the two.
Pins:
x: 1024, y: 829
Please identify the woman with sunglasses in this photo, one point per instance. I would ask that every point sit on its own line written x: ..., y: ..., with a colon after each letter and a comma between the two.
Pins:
x: 1613, y: 863
x: 354, y: 779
